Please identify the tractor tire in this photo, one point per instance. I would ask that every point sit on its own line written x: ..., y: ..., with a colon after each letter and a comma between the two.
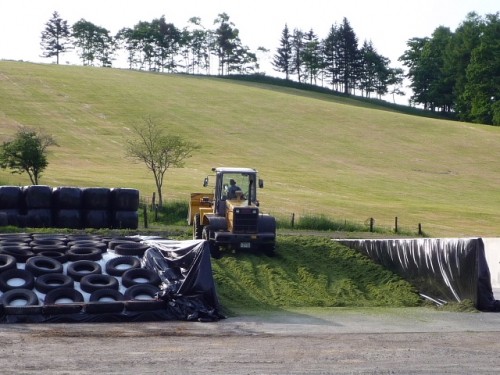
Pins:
x: 197, y: 227
x: 214, y: 247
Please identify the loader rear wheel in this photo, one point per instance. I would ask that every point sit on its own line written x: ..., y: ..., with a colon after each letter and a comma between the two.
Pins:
x: 197, y: 228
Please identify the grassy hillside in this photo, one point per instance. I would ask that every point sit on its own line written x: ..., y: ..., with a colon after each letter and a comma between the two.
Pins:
x: 318, y: 154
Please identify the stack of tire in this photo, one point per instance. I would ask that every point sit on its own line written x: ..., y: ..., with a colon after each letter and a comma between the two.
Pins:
x: 57, y: 274
x: 40, y: 206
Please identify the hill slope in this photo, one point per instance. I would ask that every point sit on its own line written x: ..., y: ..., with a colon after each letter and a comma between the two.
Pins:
x: 318, y: 154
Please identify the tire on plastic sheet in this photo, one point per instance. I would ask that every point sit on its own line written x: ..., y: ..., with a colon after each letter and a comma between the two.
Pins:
x: 140, y: 276
x: 141, y: 292
x: 7, y: 262
x: 63, y: 296
x: 21, y: 253
x: 84, y: 253
x: 60, y: 257
x: 80, y: 268
x: 89, y: 243
x: 40, y: 265
x: 131, y: 248
x: 24, y: 296
x: 105, y: 301
x: 114, y: 266
x: 7, y: 278
x: 50, y: 281
x: 91, y: 283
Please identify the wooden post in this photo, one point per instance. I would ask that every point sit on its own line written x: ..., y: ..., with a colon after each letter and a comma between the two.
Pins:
x: 293, y: 220
x: 372, y: 222
x: 396, y: 224
x: 145, y: 213
x: 419, y: 229
x: 153, y: 202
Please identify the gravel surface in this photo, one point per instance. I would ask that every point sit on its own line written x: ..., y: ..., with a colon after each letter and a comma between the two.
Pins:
x: 323, y: 341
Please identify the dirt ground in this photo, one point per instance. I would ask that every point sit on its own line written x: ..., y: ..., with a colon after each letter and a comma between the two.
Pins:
x: 324, y: 341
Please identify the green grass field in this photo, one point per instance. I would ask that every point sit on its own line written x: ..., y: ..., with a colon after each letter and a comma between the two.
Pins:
x: 319, y: 154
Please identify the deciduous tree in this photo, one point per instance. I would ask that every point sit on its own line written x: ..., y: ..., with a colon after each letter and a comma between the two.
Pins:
x: 158, y: 151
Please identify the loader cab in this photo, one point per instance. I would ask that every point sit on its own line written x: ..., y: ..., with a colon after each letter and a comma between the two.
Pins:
x: 245, y: 179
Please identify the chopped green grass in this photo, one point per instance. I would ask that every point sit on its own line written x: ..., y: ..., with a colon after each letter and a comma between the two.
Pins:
x: 308, y: 272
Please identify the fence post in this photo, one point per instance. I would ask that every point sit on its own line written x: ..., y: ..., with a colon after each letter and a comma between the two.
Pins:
x: 293, y: 220
x: 145, y: 212
x: 372, y: 221
x: 419, y: 229
x: 153, y: 201
x: 396, y: 224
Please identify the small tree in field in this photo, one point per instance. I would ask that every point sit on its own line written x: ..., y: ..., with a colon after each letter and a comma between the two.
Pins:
x: 158, y: 151
x: 27, y: 152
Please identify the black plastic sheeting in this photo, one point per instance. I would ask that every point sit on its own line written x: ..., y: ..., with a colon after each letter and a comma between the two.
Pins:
x: 443, y: 270
x: 187, y: 292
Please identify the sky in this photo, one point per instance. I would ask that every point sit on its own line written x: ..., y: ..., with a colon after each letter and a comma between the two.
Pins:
x: 388, y: 24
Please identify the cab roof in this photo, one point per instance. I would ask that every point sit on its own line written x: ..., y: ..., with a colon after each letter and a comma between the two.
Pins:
x: 233, y: 170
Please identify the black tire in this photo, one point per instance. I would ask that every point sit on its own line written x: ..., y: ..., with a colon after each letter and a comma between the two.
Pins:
x: 11, y: 197
x: 46, y: 242
x: 84, y: 253
x: 93, y: 282
x: 97, y: 219
x: 38, y: 196
x: 80, y: 268
x: 132, y: 248
x: 124, y: 199
x: 197, y: 227
x: 67, y: 197
x: 28, y: 296
x: 14, y: 273
x: 60, y: 257
x: 96, y: 198
x: 106, y: 295
x: 105, y: 301
x: 7, y: 262
x: 114, y: 242
x: 59, y: 248
x: 138, y: 276
x: 56, y: 295
x: 40, y: 265
x: 214, y: 248
x: 39, y: 218
x: 68, y: 218
x: 114, y: 266
x: 135, y: 292
x: 125, y: 220
x: 89, y: 243
x: 49, y: 281
x: 21, y: 253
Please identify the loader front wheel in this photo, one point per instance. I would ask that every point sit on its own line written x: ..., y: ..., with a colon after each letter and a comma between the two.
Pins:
x: 214, y: 248
x: 197, y: 228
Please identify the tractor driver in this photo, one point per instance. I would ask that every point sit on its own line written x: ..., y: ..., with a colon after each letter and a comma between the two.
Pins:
x: 233, y: 188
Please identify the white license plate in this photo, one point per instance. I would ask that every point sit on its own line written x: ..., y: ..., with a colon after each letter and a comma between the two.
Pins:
x: 245, y: 245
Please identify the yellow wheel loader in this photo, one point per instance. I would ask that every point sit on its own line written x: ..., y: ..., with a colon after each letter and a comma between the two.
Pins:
x: 229, y: 217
